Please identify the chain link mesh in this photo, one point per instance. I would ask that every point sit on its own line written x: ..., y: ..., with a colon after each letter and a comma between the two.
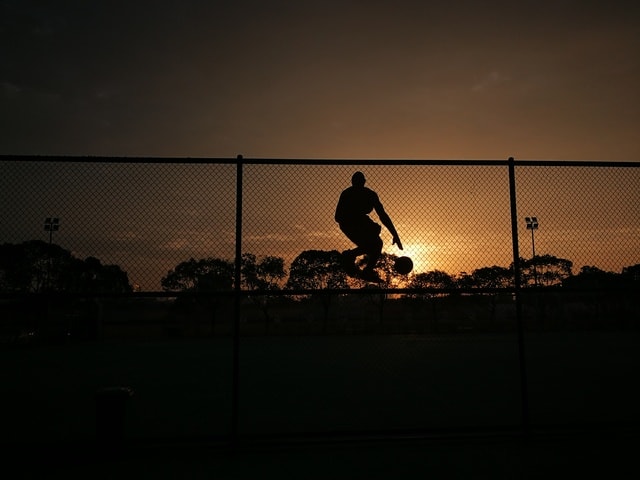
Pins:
x: 143, y: 217
x: 147, y: 218
x: 450, y: 218
x: 150, y: 218
x: 589, y: 216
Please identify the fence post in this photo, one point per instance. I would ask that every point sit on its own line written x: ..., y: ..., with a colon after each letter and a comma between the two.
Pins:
x: 519, y: 321
x: 237, y: 300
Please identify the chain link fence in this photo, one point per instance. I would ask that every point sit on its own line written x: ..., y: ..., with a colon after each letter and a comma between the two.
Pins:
x: 147, y: 217
x: 164, y: 227
x: 144, y: 218
x: 146, y: 249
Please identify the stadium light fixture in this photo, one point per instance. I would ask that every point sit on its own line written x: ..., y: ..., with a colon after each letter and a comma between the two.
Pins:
x: 51, y: 224
x: 532, y: 224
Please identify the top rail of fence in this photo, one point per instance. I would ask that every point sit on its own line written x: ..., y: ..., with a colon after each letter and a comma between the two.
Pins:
x: 316, y: 161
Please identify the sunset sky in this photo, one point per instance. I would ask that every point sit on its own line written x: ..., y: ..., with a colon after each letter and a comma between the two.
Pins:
x: 322, y: 78
x: 544, y: 80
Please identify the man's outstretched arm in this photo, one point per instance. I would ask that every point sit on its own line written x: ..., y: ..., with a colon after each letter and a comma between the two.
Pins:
x: 386, y: 221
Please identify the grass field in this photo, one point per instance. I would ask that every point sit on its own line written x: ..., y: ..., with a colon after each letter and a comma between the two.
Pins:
x: 321, y: 384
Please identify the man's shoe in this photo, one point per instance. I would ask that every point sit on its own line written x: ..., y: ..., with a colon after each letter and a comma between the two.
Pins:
x: 370, y: 276
x: 348, y: 260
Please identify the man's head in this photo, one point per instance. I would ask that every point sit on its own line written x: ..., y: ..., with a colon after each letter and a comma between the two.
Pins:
x: 358, y: 180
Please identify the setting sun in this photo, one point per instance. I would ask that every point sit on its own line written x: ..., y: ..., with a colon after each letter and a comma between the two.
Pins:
x: 420, y: 254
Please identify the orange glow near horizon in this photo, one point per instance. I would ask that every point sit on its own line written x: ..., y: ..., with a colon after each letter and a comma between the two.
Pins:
x: 449, y: 217
x: 323, y: 80
x: 421, y: 254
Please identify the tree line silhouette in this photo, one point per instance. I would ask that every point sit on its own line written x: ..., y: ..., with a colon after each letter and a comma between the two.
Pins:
x: 322, y: 269
x: 35, y: 266
x: 202, y: 290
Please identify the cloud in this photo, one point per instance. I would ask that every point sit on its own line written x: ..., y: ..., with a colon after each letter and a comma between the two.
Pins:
x: 490, y: 80
x: 269, y: 237
x: 9, y: 89
x: 316, y: 234
x: 177, y: 244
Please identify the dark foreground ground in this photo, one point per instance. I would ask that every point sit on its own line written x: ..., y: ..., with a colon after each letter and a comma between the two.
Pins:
x: 577, y: 454
x: 304, y: 397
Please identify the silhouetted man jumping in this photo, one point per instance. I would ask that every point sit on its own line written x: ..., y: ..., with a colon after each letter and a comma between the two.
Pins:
x: 352, y: 214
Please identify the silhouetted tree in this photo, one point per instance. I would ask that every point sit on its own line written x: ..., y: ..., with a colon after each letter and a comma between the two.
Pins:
x: 205, y: 275
x: 32, y: 266
x: 92, y: 276
x: 492, y: 277
x: 318, y: 270
x: 35, y: 266
x: 436, y: 279
x: 432, y: 279
x: 265, y: 273
x: 592, y: 277
x: 390, y: 279
x: 464, y: 280
x: 195, y: 279
x: 631, y: 275
x: 548, y: 270
x: 386, y: 268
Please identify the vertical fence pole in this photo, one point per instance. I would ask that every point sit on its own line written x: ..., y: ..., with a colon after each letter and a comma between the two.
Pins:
x: 236, y: 311
x: 516, y: 271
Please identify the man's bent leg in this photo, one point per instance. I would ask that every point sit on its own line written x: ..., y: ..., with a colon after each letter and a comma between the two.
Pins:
x: 373, y: 252
x: 348, y: 260
x: 348, y: 257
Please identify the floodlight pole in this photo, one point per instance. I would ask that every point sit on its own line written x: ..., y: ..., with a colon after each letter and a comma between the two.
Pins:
x: 532, y: 224
x: 51, y: 224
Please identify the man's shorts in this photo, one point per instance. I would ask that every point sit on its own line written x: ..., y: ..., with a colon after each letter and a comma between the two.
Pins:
x: 364, y: 233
